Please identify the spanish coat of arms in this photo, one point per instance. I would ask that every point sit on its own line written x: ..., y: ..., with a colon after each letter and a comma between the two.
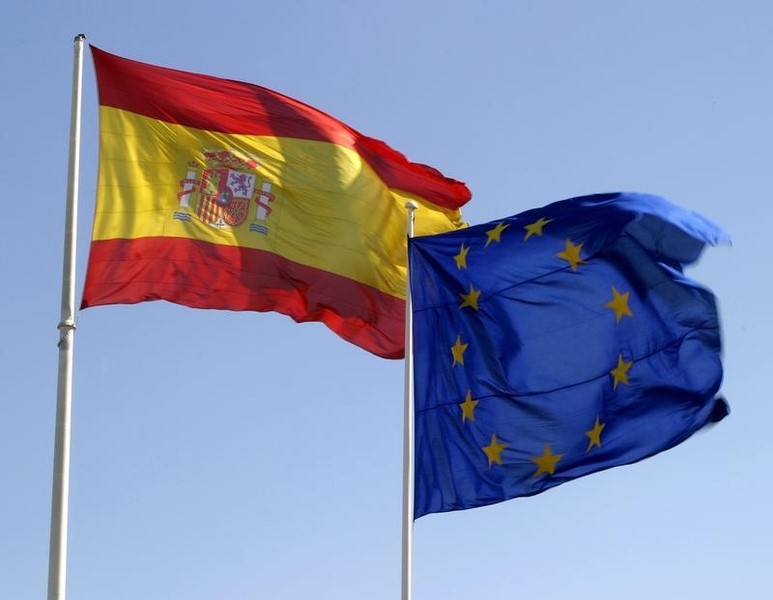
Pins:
x: 222, y: 191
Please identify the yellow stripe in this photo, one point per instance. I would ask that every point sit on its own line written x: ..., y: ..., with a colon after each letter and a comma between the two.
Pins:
x: 330, y: 211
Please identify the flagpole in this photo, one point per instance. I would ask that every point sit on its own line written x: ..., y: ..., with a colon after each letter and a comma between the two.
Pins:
x: 408, y: 429
x: 57, y: 554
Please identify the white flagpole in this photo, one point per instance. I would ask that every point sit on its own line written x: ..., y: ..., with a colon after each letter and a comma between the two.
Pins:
x: 57, y: 555
x: 408, y: 430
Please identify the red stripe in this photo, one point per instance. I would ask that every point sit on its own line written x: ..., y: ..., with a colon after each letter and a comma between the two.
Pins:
x: 203, y: 275
x: 227, y: 106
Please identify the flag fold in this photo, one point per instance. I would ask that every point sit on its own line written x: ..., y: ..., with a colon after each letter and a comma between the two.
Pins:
x: 557, y: 343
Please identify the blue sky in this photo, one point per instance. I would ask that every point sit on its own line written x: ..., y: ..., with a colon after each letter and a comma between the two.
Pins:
x: 240, y: 455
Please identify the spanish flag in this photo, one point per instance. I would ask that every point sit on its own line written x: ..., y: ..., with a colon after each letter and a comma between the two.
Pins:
x: 214, y: 193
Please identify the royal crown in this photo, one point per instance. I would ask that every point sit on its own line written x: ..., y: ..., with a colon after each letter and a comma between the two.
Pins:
x: 229, y: 159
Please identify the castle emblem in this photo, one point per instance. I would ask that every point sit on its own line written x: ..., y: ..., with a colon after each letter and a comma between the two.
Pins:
x: 222, y: 192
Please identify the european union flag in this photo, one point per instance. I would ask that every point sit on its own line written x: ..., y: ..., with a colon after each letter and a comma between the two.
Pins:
x: 557, y: 343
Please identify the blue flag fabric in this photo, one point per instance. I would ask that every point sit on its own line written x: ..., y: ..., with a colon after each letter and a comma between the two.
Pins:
x: 557, y: 343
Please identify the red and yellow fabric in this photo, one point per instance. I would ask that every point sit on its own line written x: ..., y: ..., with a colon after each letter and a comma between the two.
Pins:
x: 220, y: 194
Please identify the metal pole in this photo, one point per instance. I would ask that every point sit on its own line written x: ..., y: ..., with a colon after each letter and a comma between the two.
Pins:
x: 408, y: 430
x: 57, y: 555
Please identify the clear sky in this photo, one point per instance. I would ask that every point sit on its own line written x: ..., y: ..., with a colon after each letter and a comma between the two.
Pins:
x: 240, y: 455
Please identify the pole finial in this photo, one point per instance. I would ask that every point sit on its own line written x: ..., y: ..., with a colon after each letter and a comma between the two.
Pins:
x: 80, y: 37
x: 412, y: 206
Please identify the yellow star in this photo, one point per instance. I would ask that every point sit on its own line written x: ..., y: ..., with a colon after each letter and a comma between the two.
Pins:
x: 571, y: 254
x: 461, y: 258
x: 619, y: 304
x: 468, y: 407
x: 536, y: 227
x: 495, y: 234
x: 494, y: 450
x: 470, y: 299
x: 547, y: 462
x: 594, y: 435
x: 458, y: 350
x: 620, y: 372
